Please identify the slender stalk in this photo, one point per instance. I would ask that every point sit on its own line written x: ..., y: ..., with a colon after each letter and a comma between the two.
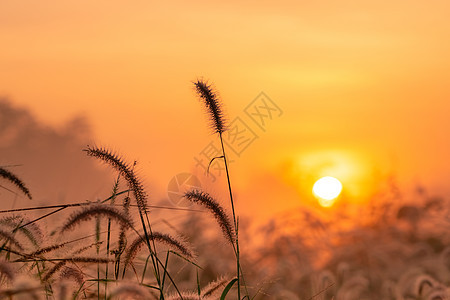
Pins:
x: 89, y: 203
x: 107, y: 254
x: 97, y: 240
x: 238, y: 268
x: 152, y: 252
x: 145, y: 268
x: 165, y: 269
x: 168, y: 276
x: 153, y: 243
x: 108, y: 238
x: 40, y: 277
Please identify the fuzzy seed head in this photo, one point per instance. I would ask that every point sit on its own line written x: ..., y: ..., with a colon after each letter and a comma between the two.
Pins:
x: 31, y: 231
x: 15, y: 180
x: 124, y: 169
x: 209, y: 97
x: 214, y: 207
x: 8, y: 236
x: 53, y: 270
x: 96, y: 210
x: 47, y: 249
x: 157, y: 237
x: 75, y: 274
x: 214, y: 287
x: 131, y: 290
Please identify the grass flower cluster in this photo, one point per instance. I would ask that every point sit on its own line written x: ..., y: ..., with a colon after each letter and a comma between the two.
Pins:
x: 105, y: 266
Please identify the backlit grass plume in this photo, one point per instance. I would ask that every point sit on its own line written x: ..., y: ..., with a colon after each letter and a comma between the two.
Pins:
x: 157, y: 237
x: 15, y: 180
x: 47, y: 249
x: 209, y: 97
x: 25, y: 227
x: 221, y: 217
x: 53, y: 270
x: 72, y: 273
x: 95, y: 210
x: 9, y: 237
x: 211, y: 291
x: 124, y: 169
x: 54, y: 247
x: 131, y: 290
x: 63, y: 261
x: 184, y: 296
x: 214, y: 287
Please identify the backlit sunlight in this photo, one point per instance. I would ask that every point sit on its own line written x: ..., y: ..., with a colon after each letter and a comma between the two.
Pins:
x: 327, y: 189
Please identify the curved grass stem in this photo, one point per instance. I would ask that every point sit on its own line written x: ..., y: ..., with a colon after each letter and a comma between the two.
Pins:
x: 238, y: 266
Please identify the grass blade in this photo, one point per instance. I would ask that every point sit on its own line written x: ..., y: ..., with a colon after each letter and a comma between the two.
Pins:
x: 228, y: 288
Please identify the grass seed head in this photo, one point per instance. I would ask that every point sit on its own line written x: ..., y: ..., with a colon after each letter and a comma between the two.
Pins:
x: 31, y: 231
x: 72, y: 273
x: 53, y: 270
x: 8, y: 236
x: 4, y: 173
x: 209, y: 97
x: 157, y: 237
x: 214, y: 287
x: 96, y: 210
x: 204, y: 199
x: 125, y: 170
x: 131, y: 290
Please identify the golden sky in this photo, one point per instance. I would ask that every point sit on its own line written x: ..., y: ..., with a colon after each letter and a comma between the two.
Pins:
x: 363, y: 85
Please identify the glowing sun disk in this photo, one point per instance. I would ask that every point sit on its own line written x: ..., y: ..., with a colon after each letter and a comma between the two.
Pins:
x: 327, y: 188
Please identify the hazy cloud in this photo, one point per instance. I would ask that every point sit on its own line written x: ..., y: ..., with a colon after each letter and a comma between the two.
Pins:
x: 49, y: 160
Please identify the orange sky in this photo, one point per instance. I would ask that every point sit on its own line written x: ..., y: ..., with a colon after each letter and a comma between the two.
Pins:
x: 364, y: 87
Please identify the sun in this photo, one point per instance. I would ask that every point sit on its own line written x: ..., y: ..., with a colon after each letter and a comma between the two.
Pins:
x: 327, y: 189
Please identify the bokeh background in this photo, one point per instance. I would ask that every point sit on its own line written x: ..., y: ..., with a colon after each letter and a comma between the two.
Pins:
x: 362, y: 89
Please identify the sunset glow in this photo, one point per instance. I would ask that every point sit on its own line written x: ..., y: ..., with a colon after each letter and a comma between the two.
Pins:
x: 327, y: 189
x: 307, y: 130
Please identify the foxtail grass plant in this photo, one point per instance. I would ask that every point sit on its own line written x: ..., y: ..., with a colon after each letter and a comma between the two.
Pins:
x: 95, y: 210
x: 56, y: 261
x: 12, y: 178
x: 217, y: 211
x: 126, y: 170
x: 218, y: 123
